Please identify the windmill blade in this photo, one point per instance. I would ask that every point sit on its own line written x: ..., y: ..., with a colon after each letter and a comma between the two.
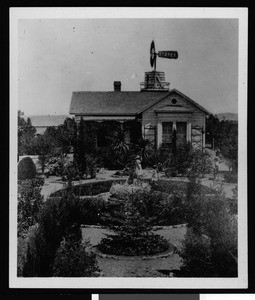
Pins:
x: 152, y: 54
x: 168, y: 54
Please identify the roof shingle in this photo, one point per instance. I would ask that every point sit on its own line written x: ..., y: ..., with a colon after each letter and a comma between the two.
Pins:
x: 118, y: 103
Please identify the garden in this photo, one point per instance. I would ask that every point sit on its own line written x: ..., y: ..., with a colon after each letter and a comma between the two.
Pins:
x: 159, y: 226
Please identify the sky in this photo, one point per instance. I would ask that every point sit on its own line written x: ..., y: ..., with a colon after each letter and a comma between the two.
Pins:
x: 59, y: 56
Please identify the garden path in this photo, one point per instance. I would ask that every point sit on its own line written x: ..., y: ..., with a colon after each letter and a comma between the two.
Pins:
x: 135, y: 266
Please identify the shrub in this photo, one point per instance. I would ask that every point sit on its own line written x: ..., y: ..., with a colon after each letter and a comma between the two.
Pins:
x: 122, y: 190
x: 72, y: 260
x: 21, y: 258
x: 230, y: 177
x: 91, y: 165
x: 26, y: 169
x: 187, y: 162
x: 157, y: 157
x: 196, y: 256
x: 210, y: 217
x: 133, y: 235
x: 71, y: 172
x: 34, y: 264
x: 89, y: 189
x: 91, y: 210
x: 56, y: 166
x: 57, y: 219
x: 177, y: 163
x: 200, y: 163
x: 30, y: 202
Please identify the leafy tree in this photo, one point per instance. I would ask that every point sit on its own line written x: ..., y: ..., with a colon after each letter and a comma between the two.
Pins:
x: 42, y: 146
x: 80, y: 148
x: 26, y: 132
x: 225, y: 136
x: 64, y: 136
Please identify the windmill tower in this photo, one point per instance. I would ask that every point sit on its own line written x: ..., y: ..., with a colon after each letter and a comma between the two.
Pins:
x: 155, y: 80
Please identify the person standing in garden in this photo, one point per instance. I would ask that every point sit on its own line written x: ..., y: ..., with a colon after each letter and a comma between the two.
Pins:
x: 138, y: 168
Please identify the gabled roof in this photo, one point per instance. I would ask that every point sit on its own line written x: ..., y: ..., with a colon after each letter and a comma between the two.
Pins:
x: 112, y: 103
x: 118, y: 103
x: 182, y: 95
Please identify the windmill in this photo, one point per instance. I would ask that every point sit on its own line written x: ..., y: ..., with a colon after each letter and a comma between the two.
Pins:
x: 155, y: 80
x: 166, y: 54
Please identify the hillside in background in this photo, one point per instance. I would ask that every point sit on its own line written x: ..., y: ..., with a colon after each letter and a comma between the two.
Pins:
x: 228, y: 116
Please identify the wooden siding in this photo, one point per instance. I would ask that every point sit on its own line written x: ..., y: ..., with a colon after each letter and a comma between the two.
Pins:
x: 195, y: 117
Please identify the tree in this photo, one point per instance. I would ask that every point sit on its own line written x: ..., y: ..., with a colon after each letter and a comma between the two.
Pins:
x: 64, y: 136
x: 80, y: 149
x: 67, y: 135
x: 42, y: 146
x: 26, y: 132
x: 132, y: 224
x: 225, y: 136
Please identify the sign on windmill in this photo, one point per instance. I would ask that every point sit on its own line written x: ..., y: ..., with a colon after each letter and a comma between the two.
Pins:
x: 166, y: 54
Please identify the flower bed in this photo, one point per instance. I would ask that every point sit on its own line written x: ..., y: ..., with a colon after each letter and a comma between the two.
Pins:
x: 90, y: 188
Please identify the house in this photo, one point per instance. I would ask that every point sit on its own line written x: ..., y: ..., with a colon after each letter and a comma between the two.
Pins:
x: 42, y: 122
x: 158, y: 110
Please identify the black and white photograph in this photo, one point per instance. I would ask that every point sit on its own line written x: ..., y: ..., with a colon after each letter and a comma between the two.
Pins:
x: 128, y: 148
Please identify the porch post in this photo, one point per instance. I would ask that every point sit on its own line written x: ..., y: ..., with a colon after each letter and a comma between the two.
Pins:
x: 159, y: 133
x: 188, y: 132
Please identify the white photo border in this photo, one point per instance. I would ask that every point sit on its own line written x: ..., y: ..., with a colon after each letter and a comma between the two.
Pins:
x: 127, y: 283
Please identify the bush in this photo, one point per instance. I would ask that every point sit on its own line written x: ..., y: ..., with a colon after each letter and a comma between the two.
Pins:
x: 179, y: 162
x: 91, y: 210
x: 210, y: 217
x: 56, y: 166
x: 122, y: 190
x: 71, y: 172
x: 30, y: 202
x: 33, y: 264
x: 89, y: 189
x: 72, y: 260
x: 187, y: 162
x: 127, y: 245
x: 26, y: 169
x: 91, y: 165
x: 196, y: 256
x: 57, y: 219
x: 230, y: 177
x: 157, y: 157
x: 133, y: 234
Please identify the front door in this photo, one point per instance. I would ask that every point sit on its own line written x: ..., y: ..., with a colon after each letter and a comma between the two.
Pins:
x: 181, y: 131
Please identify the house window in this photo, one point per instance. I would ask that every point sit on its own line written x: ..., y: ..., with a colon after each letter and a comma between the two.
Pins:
x: 167, y: 129
x: 174, y: 101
